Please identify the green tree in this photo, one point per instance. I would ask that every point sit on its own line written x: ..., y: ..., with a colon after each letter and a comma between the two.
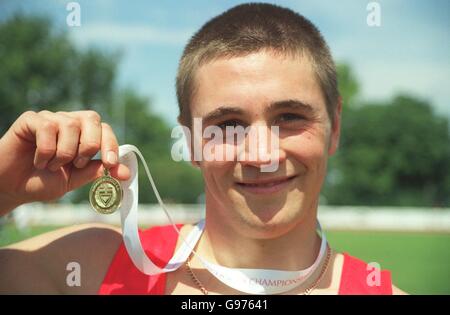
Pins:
x: 176, y: 181
x: 42, y: 69
x: 396, y: 153
x: 348, y: 85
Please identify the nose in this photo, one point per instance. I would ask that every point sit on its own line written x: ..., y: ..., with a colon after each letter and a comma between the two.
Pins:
x: 261, y: 148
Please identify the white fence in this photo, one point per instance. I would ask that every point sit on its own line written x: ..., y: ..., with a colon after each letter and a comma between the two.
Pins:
x: 331, y: 217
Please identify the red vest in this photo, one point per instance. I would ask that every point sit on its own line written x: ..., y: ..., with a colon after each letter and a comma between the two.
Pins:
x: 159, y: 244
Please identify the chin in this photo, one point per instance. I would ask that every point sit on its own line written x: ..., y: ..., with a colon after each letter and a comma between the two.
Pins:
x: 269, y: 223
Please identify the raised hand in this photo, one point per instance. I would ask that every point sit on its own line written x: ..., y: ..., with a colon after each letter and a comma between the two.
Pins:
x: 45, y: 155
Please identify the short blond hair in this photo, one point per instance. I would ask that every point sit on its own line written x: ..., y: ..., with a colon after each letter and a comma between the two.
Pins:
x: 250, y: 28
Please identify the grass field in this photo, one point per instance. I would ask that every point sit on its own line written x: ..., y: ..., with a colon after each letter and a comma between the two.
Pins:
x: 419, y: 262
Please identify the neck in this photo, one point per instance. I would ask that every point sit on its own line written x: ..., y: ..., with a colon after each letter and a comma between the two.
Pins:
x: 294, y: 250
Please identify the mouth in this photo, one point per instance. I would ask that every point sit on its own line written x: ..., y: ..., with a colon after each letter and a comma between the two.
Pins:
x: 266, y: 186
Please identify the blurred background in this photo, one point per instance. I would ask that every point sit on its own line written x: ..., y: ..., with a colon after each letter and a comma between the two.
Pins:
x: 387, y: 194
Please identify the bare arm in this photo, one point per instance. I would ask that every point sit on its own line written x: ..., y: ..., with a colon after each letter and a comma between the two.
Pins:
x: 39, y: 265
x: 44, y: 156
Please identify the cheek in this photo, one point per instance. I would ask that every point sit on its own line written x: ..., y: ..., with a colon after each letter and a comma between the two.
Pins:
x: 217, y: 169
x: 219, y: 150
x: 307, y: 148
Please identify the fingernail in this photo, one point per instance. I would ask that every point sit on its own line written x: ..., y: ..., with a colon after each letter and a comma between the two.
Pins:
x: 111, y: 157
x: 80, y: 162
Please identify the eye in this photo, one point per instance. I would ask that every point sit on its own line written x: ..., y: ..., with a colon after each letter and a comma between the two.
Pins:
x: 289, y: 117
x: 230, y: 123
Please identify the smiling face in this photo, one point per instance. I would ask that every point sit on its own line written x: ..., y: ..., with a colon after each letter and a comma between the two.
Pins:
x: 263, y: 89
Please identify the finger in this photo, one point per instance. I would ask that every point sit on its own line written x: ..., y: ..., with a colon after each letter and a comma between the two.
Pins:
x: 44, y: 133
x: 93, y: 170
x: 121, y: 172
x: 90, y: 137
x: 109, y: 147
x: 69, y: 129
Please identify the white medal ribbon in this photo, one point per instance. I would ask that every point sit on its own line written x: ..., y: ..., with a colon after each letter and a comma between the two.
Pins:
x: 251, y: 281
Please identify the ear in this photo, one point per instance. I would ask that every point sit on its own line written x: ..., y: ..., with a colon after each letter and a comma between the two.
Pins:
x: 188, y: 137
x: 336, y: 129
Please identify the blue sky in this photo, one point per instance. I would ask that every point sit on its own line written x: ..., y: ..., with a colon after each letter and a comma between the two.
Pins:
x: 410, y: 52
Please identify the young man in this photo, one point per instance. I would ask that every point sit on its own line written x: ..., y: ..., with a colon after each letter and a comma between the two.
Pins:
x: 256, y: 65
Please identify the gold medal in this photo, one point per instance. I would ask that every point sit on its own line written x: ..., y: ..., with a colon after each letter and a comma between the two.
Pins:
x: 105, y: 195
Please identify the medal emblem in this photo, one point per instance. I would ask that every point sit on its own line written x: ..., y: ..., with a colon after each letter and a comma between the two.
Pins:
x: 105, y: 195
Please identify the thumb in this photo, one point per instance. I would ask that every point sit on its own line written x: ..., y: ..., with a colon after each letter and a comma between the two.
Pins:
x: 93, y: 170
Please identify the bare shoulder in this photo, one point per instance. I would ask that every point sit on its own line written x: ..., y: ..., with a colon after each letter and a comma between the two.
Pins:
x: 42, y: 264
x: 67, y: 234
x: 397, y: 291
